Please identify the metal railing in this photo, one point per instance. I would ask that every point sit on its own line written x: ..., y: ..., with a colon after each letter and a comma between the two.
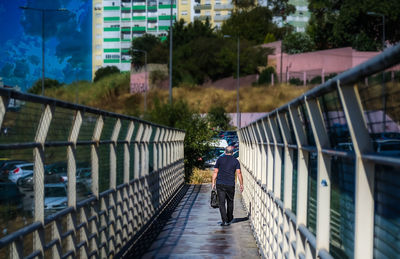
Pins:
x: 321, y: 172
x: 134, y: 167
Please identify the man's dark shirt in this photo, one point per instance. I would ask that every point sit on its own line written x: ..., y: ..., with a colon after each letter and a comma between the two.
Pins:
x: 227, y: 166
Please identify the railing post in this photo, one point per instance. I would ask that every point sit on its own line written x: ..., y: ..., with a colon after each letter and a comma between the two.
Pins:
x: 128, y: 192
x: 324, y: 175
x: 95, y: 226
x: 288, y: 173
x: 365, y: 173
x: 138, y: 162
x: 114, y: 198
x: 277, y: 157
x: 3, y: 108
x: 71, y: 171
x: 38, y: 176
x: 302, y: 177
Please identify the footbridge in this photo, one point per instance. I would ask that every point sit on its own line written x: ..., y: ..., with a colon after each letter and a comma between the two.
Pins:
x: 321, y: 177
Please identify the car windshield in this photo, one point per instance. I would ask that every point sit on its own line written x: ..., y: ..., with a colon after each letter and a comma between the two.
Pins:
x: 55, y: 191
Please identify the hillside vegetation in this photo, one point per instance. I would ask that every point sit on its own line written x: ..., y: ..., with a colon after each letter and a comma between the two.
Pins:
x: 112, y: 94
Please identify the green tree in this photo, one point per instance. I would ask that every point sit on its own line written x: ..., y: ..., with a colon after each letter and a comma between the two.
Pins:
x: 297, y: 42
x: 346, y: 23
x: 48, y: 84
x: 251, y: 25
x: 198, y: 135
x: 269, y: 38
x: 217, y: 118
x: 105, y: 71
x: 157, y: 52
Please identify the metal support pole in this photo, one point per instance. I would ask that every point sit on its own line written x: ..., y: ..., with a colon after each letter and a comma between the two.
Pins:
x: 147, y: 83
x: 237, y: 84
x: 170, y: 53
x: 42, y: 11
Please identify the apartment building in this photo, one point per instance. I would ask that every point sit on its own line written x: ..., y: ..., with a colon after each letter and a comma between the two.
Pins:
x: 117, y: 22
x: 216, y: 11
x: 299, y: 19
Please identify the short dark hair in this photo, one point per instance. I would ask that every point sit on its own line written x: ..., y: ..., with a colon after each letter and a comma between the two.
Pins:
x: 229, y: 150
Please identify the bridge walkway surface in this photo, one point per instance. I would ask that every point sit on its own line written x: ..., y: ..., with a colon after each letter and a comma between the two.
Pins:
x: 193, y: 230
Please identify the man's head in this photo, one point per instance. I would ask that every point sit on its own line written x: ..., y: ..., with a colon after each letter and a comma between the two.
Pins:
x: 229, y: 150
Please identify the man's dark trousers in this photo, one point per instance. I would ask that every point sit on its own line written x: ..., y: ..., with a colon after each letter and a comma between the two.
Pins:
x: 226, y: 192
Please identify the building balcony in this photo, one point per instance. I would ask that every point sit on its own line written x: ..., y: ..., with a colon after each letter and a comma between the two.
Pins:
x: 166, y: 17
x: 220, y: 7
x: 220, y: 18
x: 163, y: 28
x: 138, y: 18
x: 166, y: 6
x: 202, y: 17
x: 113, y: 60
x: 139, y: 7
x: 111, y: 8
x: 111, y: 19
x: 152, y: 19
x: 202, y: 7
x: 111, y: 29
x: 138, y: 29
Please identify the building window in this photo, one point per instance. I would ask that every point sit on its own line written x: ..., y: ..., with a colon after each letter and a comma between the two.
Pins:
x: 112, y: 56
x: 98, y: 36
x: 184, y: 13
x: 98, y: 15
x: 98, y: 46
x: 184, y: 2
x: 98, y: 25
x: 217, y: 13
x: 98, y: 57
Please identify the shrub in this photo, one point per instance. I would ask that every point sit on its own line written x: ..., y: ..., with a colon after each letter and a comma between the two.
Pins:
x: 316, y: 80
x: 295, y: 81
x: 105, y: 71
x: 265, y: 76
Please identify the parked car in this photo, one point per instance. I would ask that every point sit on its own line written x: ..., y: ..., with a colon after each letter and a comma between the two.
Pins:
x: 26, y: 182
x: 20, y: 170
x: 388, y: 147
x: 53, y: 172
x: 8, y: 165
x: 55, y: 198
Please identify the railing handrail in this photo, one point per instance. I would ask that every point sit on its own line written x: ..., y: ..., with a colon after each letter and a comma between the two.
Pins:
x: 11, y: 93
x: 388, y: 58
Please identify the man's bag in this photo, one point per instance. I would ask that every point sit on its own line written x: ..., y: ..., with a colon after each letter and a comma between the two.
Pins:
x: 214, y: 199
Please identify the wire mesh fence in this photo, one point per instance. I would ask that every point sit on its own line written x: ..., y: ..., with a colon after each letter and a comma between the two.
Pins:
x: 77, y: 181
x: 328, y: 184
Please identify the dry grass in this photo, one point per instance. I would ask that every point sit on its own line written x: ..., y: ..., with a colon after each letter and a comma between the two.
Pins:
x: 200, y: 176
x: 112, y: 93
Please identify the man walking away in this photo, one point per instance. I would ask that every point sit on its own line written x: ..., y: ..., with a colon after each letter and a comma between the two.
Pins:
x: 224, y: 177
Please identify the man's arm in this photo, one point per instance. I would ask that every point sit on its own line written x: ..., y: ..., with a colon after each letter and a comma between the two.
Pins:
x: 239, y: 174
x: 214, y: 177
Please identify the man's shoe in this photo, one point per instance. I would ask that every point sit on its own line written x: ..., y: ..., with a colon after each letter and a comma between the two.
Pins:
x: 224, y: 224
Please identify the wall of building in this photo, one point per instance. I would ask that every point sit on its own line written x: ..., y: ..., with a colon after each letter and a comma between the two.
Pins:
x: 117, y: 22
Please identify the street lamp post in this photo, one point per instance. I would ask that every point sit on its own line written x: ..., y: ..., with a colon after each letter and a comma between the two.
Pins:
x: 383, y: 26
x: 43, y: 12
x: 170, y: 52
x: 384, y: 101
x: 238, y: 118
x: 145, y: 77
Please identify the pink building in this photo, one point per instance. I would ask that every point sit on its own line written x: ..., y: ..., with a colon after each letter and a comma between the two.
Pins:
x: 317, y: 63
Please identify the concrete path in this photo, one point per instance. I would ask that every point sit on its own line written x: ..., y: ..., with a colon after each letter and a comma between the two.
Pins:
x: 193, y: 230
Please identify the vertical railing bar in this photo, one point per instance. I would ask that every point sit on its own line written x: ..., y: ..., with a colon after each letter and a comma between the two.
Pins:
x: 71, y: 173
x: 302, y: 176
x: 38, y: 176
x: 3, y: 108
x: 324, y: 171
x: 94, y: 228
x: 364, y: 171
